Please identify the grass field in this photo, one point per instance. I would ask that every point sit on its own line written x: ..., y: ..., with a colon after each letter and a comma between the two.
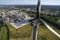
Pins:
x: 25, y: 33
x: 45, y: 34
x: 3, y: 33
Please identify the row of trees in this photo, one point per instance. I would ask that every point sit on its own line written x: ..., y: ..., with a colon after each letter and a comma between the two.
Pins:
x: 51, y: 20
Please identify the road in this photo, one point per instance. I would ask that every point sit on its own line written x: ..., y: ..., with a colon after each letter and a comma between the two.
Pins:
x: 53, y: 31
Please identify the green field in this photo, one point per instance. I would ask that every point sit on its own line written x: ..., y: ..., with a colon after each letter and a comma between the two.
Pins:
x: 3, y: 32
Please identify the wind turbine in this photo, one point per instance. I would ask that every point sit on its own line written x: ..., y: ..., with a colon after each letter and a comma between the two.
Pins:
x: 36, y: 20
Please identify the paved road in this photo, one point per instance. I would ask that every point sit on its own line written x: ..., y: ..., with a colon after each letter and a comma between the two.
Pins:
x: 53, y: 31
